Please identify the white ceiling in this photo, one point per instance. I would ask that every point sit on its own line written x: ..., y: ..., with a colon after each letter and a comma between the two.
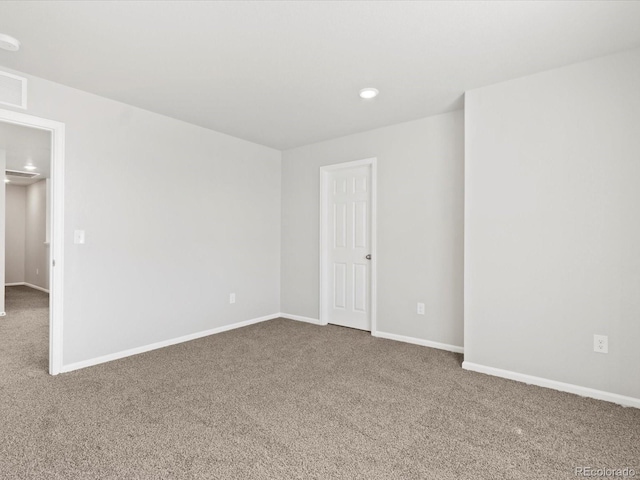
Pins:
x: 285, y: 74
x: 25, y: 146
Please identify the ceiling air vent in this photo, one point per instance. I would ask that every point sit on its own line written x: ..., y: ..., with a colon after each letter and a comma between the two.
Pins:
x: 17, y: 174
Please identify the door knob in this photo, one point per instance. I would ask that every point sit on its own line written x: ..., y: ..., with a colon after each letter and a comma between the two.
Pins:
x: 368, y: 257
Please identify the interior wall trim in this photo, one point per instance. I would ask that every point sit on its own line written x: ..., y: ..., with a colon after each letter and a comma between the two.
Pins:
x: 419, y: 341
x: 554, y: 385
x: 164, y: 343
x: 25, y: 284
x: 300, y: 318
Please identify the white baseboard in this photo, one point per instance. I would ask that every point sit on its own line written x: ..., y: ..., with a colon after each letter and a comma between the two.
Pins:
x: 165, y: 343
x: 25, y: 284
x: 30, y: 285
x: 389, y: 336
x: 300, y: 318
x: 418, y: 341
x: 554, y: 385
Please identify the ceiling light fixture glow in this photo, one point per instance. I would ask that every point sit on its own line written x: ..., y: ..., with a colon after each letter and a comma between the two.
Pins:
x: 6, y: 180
x: 369, y: 93
x: 7, y: 42
x: 30, y: 167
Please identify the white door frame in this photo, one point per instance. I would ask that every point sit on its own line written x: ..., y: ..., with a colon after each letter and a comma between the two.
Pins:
x: 56, y: 283
x: 324, y: 243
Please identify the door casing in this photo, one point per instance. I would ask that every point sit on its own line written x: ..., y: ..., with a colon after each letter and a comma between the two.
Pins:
x: 325, y: 173
x: 56, y: 257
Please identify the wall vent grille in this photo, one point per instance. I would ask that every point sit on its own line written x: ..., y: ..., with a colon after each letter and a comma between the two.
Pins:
x: 13, y: 90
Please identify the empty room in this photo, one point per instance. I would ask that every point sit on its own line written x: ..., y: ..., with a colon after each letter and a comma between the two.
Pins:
x: 318, y: 239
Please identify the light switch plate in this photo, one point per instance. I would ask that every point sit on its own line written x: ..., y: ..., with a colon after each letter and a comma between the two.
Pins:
x: 78, y: 237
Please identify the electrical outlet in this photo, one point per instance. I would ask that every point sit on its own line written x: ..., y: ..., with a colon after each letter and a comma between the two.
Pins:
x: 601, y: 343
x: 420, y: 308
x: 232, y: 298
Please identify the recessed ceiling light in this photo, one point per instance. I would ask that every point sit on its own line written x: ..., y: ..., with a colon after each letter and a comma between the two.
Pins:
x: 7, y: 42
x: 369, y: 93
x: 30, y: 167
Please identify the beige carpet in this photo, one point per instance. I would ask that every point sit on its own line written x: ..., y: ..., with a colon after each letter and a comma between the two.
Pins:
x: 284, y: 399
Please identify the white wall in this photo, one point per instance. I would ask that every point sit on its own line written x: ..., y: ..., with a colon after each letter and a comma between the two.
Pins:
x: 3, y: 163
x: 26, y: 255
x: 176, y: 217
x: 16, y: 203
x: 36, y: 252
x: 420, y: 224
x: 552, y: 224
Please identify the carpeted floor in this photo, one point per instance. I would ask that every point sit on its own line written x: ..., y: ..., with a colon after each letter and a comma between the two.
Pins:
x: 283, y: 399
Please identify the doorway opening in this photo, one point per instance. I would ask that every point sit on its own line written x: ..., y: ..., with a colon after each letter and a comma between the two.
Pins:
x: 348, y: 262
x: 31, y: 235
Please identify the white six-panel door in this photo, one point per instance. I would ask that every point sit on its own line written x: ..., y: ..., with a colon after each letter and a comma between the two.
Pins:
x: 347, y: 268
